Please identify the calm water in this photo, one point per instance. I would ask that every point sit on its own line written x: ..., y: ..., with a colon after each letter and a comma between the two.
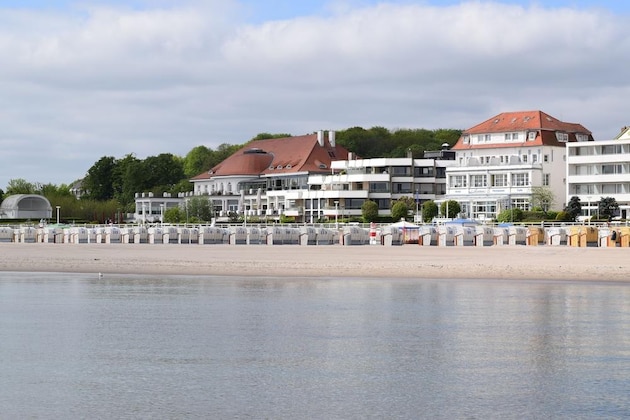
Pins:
x: 76, y: 346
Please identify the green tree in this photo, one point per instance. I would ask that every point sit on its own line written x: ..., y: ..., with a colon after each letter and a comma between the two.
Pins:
x: 98, y: 181
x: 52, y: 190
x: 369, y: 211
x: 450, y: 208
x: 163, y: 170
x: 542, y: 197
x: 607, y: 207
x: 198, y: 209
x: 400, y: 210
x: 267, y: 136
x: 197, y: 161
x: 174, y: 215
x: 574, y: 207
x: 128, y: 178
x: 20, y: 186
x: 429, y: 210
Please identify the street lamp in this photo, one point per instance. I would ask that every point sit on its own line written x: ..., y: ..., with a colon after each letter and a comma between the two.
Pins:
x: 417, y: 202
x: 58, y: 207
x: 336, y: 213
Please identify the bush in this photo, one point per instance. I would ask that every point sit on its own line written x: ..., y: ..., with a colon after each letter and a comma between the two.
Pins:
x: 564, y: 216
x: 510, y: 215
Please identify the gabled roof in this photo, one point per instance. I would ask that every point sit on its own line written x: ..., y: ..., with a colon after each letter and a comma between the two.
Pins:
x: 623, y: 134
x: 280, y: 156
x: 543, y: 124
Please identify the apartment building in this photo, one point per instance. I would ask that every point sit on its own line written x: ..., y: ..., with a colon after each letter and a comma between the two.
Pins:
x: 600, y: 169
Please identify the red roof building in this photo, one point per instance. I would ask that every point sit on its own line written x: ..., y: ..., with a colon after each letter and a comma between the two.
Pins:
x: 506, y: 161
x: 260, y: 172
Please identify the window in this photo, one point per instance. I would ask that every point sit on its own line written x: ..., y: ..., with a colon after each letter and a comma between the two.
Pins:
x: 611, y: 149
x: 546, y: 158
x: 545, y: 180
x: 514, y: 136
x: 581, y: 137
x: 499, y: 180
x: 423, y: 172
x: 612, y: 169
x: 562, y: 137
x: 458, y: 181
x: 521, y: 203
x: 401, y: 170
x: 402, y: 188
x: 478, y: 181
x: 379, y: 187
x: 466, y: 139
x: 524, y: 158
x: 531, y: 136
x: 520, y: 180
x: 484, y: 209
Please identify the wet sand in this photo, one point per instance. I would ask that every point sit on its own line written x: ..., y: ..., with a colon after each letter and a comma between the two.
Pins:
x: 407, y: 261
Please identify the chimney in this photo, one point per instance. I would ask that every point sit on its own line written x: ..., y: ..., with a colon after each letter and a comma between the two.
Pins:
x: 331, y: 138
x: 320, y: 138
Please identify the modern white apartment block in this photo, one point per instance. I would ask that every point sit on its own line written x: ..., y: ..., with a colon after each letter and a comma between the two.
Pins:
x: 600, y: 169
x: 501, y: 160
x: 382, y: 180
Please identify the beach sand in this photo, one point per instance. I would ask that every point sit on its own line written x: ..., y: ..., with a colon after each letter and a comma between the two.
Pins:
x: 407, y: 261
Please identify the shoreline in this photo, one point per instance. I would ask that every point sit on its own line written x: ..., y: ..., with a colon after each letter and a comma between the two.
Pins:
x: 519, y: 262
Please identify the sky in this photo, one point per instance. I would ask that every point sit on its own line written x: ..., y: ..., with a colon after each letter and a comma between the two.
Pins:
x: 80, y: 80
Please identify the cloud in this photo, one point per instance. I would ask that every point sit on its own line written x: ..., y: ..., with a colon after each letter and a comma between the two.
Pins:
x: 79, y: 84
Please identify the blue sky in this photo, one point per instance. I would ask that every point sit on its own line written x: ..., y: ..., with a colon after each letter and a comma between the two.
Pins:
x: 85, y: 79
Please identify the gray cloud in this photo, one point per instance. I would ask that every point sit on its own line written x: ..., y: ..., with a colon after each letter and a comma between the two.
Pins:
x: 84, y: 84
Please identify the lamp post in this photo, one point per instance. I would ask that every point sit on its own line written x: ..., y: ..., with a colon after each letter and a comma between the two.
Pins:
x: 589, y: 209
x: 336, y: 213
x: 417, y: 202
x: 58, y: 207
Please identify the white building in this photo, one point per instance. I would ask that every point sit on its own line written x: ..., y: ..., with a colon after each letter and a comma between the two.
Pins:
x: 151, y: 208
x: 382, y: 180
x: 600, y: 169
x: 500, y: 162
x: 308, y: 178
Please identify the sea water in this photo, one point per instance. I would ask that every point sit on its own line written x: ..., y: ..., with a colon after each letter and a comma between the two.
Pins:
x: 81, y: 346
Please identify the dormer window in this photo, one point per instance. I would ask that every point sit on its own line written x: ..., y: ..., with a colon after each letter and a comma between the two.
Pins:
x: 531, y: 136
x: 581, y: 137
x: 562, y: 137
x: 466, y: 139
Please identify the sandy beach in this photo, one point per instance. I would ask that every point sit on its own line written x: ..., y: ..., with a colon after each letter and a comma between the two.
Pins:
x: 407, y: 261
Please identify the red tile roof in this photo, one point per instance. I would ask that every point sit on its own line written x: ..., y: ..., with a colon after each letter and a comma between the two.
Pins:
x: 280, y: 156
x: 543, y: 124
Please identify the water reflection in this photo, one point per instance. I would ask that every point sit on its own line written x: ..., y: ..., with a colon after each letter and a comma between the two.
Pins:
x: 138, y: 346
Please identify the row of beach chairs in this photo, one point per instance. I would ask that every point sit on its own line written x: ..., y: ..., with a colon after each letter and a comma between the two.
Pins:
x: 427, y: 235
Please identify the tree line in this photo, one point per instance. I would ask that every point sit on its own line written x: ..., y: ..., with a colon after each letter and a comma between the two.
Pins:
x: 110, y: 183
